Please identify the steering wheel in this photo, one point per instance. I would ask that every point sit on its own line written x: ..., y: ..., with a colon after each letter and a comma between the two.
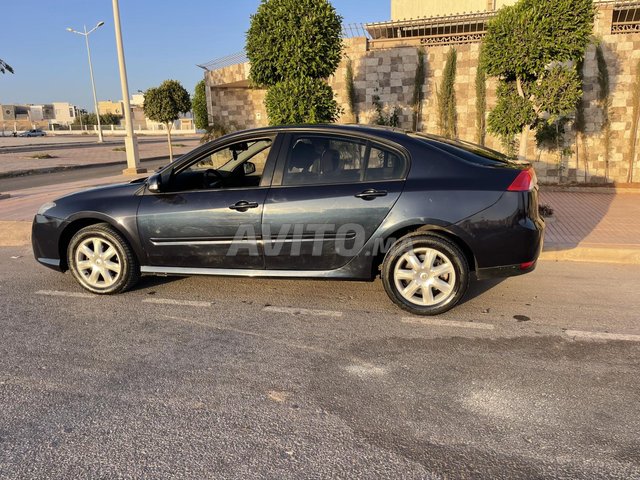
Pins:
x: 211, y: 177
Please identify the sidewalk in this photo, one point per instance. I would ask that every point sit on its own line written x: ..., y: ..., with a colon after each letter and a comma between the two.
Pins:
x: 594, y: 227
x: 70, y: 155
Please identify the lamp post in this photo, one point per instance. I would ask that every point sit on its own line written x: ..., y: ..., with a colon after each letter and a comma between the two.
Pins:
x: 93, y: 84
x: 130, y: 143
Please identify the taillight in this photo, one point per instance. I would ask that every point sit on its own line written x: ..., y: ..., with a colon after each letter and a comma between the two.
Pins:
x: 524, y: 182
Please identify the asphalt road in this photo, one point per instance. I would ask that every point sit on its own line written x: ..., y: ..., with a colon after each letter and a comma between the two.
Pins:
x: 9, y: 184
x: 256, y: 378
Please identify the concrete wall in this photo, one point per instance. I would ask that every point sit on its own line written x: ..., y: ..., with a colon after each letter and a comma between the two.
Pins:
x: 389, y: 73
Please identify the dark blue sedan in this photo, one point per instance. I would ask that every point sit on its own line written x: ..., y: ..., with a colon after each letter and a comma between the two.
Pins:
x: 335, y: 202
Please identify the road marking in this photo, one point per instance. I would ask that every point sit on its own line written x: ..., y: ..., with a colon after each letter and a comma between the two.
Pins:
x: 57, y: 293
x: 365, y: 370
x: 302, y: 311
x: 169, y: 301
x: 603, y: 335
x: 447, y: 323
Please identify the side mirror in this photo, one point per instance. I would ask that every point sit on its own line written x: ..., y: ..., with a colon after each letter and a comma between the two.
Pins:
x: 249, y: 168
x: 154, y: 184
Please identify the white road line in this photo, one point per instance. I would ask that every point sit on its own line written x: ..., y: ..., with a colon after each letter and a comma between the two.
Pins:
x: 603, y: 335
x: 302, y: 311
x: 57, y: 293
x: 447, y: 323
x: 169, y: 301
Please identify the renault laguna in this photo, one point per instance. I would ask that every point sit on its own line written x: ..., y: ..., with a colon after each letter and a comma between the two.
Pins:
x: 333, y: 202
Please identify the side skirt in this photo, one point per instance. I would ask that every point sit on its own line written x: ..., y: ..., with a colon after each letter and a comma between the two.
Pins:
x: 233, y: 272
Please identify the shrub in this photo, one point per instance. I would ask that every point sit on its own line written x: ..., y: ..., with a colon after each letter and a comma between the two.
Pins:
x: 301, y: 100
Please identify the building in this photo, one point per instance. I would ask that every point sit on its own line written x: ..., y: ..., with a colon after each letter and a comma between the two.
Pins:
x: 108, y: 107
x: 21, y: 117
x: 406, y: 9
x: 384, y: 58
x: 64, y: 113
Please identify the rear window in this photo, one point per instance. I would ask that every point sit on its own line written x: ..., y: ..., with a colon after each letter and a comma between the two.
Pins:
x: 469, y: 151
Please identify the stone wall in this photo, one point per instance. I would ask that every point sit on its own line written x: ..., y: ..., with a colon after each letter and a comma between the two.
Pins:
x: 389, y: 74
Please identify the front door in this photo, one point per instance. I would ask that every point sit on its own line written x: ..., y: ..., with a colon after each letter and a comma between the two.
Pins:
x: 333, y: 193
x: 209, y: 215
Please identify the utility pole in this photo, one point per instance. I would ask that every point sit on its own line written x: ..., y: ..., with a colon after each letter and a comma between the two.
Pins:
x: 130, y: 142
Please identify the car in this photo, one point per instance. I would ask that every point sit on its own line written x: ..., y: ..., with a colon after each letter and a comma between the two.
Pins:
x: 424, y: 213
x: 35, y: 132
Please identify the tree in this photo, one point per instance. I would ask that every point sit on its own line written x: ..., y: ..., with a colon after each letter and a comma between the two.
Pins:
x: 447, y: 113
x: 418, y: 83
x: 199, y: 103
x: 351, y: 91
x: 481, y: 106
x: 5, y: 67
x: 604, y: 101
x: 90, y: 119
x: 523, y: 42
x: 299, y: 42
x: 165, y: 103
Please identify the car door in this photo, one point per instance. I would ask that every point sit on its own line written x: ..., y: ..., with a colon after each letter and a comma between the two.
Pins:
x: 330, y: 193
x: 198, y: 221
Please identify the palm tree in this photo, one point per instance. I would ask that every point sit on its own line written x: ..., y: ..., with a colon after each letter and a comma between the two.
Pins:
x: 4, y: 67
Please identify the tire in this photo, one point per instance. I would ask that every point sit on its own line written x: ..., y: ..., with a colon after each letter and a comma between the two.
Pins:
x: 425, y: 274
x: 114, y: 269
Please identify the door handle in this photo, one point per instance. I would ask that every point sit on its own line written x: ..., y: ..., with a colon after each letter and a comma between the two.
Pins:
x: 371, y: 193
x: 243, y: 206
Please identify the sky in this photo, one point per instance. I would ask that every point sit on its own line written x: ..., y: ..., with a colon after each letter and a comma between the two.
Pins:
x: 162, y: 40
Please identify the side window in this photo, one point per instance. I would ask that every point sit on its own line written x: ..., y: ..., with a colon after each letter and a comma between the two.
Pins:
x: 384, y: 165
x: 318, y: 159
x: 239, y: 165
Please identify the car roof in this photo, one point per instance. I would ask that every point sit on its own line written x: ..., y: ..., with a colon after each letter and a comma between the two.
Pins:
x: 390, y: 133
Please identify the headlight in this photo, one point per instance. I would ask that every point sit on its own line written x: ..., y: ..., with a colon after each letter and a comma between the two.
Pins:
x: 46, y: 207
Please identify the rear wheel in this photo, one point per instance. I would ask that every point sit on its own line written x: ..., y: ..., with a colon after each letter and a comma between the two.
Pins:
x: 101, y: 260
x: 425, y: 274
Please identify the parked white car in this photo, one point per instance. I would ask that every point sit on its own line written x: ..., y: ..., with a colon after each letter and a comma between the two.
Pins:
x: 36, y: 132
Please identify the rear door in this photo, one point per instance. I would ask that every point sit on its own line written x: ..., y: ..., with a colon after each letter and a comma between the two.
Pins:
x: 329, y: 194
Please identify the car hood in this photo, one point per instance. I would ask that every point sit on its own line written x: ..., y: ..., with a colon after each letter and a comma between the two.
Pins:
x: 102, y: 191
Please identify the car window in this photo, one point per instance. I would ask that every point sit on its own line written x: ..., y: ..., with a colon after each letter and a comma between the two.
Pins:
x: 315, y: 160
x: 384, y: 165
x: 237, y: 165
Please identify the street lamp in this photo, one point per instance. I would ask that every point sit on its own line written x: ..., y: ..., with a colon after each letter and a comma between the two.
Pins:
x: 93, y: 84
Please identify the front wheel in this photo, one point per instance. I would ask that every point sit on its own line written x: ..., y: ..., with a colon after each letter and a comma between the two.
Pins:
x: 425, y: 274
x: 101, y: 260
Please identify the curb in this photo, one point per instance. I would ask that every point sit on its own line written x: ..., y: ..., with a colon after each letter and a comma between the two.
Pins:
x: 64, y: 168
x: 602, y: 190
x: 611, y: 254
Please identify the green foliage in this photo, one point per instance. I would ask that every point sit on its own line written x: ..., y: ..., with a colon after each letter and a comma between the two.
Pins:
x: 447, y: 114
x: 580, y: 122
x: 165, y: 103
x: 510, y: 115
x: 293, y: 39
x: 301, y: 100
x: 389, y: 120
x: 557, y: 92
x: 90, y: 119
x: 604, y: 101
x: 633, y: 141
x: 481, y: 105
x: 418, y: 84
x: 5, y: 67
x: 199, y: 103
x: 351, y: 91
x: 523, y: 39
x: 550, y: 137
x: 526, y: 43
